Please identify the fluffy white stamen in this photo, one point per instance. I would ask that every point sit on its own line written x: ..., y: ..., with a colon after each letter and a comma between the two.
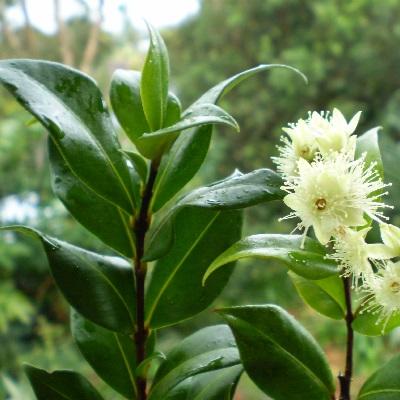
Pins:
x: 383, y: 293
x: 334, y: 192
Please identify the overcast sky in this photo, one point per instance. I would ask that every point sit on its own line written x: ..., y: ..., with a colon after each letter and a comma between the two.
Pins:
x: 158, y: 12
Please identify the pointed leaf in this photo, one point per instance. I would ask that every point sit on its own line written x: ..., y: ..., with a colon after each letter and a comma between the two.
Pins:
x: 235, y: 192
x: 326, y: 296
x: 205, y: 115
x: 153, y: 146
x: 278, y: 354
x: 127, y: 104
x: 104, y: 219
x: 309, y: 262
x: 154, y: 83
x: 203, y: 366
x: 200, y: 236
x: 60, y: 385
x: 112, y: 355
x: 188, y: 152
x: 384, y: 384
x: 214, y: 94
x: 69, y: 104
x: 101, y: 288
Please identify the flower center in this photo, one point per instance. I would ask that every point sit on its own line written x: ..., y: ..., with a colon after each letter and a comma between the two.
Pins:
x: 395, y: 287
x: 320, y: 204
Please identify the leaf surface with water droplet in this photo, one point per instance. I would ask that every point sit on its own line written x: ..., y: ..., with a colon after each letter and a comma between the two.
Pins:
x: 98, y: 287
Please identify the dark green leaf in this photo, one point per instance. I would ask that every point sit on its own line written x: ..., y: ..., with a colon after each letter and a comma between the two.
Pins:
x: 215, y: 94
x: 175, y: 290
x: 60, y: 385
x: 205, y: 115
x: 204, y: 366
x: 112, y: 355
x: 139, y: 163
x: 105, y: 220
x: 127, y: 104
x: 325, y: 296
x: 101, y: 288
x: 384, y: 384
x: 69, y: 104
x: 370, y: 324
x: 188, y: 152
x: 309, y: 262
x: 180, y: 164
x: 368, y: 144
x: 153, y: 146
x: 235, y: 192
x: 279, y: 355
x: 154, y: 82
x: 160, y: 139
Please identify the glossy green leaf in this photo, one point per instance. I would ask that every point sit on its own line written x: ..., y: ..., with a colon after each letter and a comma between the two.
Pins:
x: 309, y: 262
x: 368, y: 143
x: 370, y: 324
x: 204, y: 115
x: 326, y: 296
x: 278, y: 354
x: 112, y: 355
x: 153, y: 146
x: 139, y: 163
x: 60, y: 385
x: 149, y: 142
x: 188, y: 152
x: 214, y: 94
x: 180, y: 164
x: 235, y: 192
x: 127, y: 103
x: 384, y: 384
x: 105, y: 220
x: 204, y: 366
x: 175, y: 291
x: 69, y: 104
x: 101, y: 288
x: 154, y: 82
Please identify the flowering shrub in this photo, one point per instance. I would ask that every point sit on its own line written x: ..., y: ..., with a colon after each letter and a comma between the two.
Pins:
x: 170, y: 246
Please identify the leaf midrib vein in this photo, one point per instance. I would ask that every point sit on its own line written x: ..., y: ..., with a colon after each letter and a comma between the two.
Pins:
x: 172, y: 275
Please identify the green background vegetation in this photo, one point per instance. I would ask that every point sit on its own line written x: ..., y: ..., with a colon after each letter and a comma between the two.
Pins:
x: 348, y: 49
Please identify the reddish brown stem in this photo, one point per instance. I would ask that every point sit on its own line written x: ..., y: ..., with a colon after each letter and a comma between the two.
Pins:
x: 345, y: 379
x: 141, y: 227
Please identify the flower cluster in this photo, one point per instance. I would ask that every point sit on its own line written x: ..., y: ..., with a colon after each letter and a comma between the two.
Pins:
x: 338, y: 195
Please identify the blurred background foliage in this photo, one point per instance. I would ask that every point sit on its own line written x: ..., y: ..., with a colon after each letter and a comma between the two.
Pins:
x: 348, y: 49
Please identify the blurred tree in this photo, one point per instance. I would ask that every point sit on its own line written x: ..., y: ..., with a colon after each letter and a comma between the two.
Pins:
x: 348, y: 50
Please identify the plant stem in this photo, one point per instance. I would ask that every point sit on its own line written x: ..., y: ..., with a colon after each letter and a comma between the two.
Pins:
x: 141, y: 227
x: 345, y: 380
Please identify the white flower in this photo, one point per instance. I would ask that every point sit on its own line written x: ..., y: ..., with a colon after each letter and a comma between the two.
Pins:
x: 303, y: 139
x: 383, y: 292
x: 286, y: 163
x: 352, y: 253
x: 334, y: 134
x: 302, y: 144
x: 334, y: 192
x: 319, y: 134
